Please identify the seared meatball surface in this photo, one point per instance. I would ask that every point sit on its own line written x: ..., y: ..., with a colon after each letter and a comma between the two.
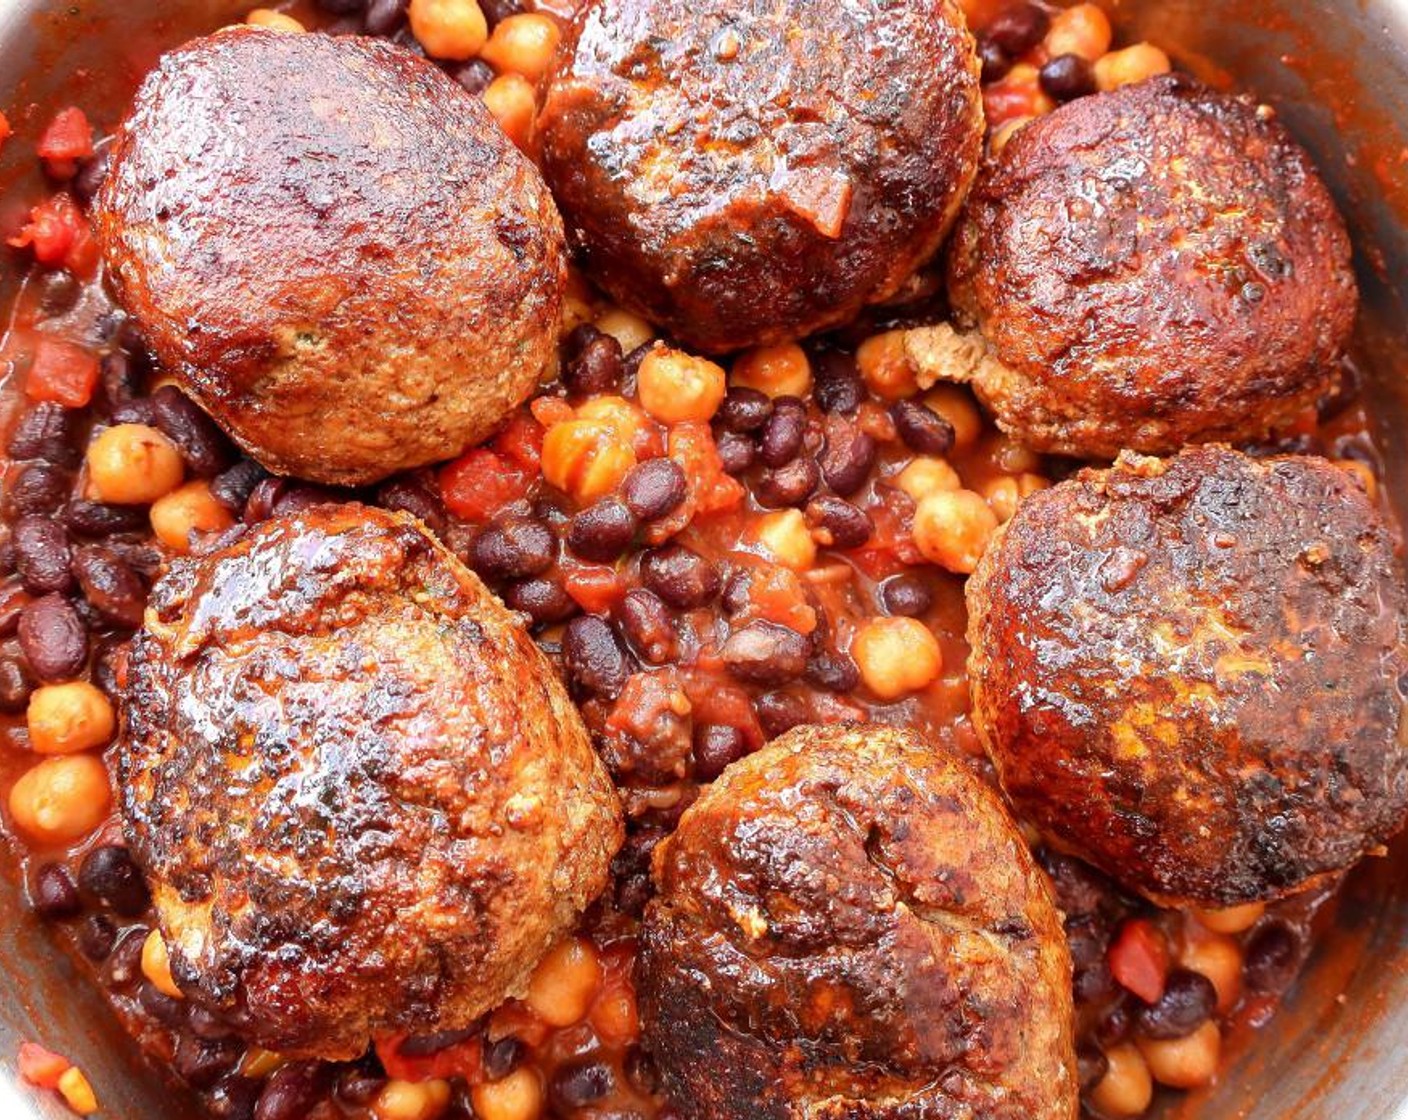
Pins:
x: 849, y: 926
x: 1152, y: 267
x: 750, y: 172
x: 1187, y: 672
x: 334, y: 248
x: 361, y: 797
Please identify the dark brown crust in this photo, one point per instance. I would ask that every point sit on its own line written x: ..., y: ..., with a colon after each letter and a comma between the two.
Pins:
x: 850, y: 927
x: 334, y: 248
x: 362, y: 798
x: 1187, y: 672
x: 1152, y: 267
x: 703, y: 152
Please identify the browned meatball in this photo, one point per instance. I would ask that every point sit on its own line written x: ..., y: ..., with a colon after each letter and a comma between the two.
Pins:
x: 1152, y: 267
x: 850, y: 927
x: 334, y: 249
x: 1187, y: 671
x: 361, y: 797
x: 750, y: 172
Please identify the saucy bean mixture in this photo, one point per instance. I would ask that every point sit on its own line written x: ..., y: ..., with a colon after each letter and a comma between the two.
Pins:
x: 711, y: 552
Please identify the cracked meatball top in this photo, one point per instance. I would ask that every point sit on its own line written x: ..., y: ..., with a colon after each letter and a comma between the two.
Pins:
x: 1152, y: 267
x: 361, y: 796
x: 1189, y: 672
x: 849, y: 926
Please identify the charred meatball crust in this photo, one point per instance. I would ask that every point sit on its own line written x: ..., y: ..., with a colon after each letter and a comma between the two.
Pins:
x: 361, y: 797
x: 746, y: 173
x: 1152, y: 267
x: 850, y: 927
x: 1187, y: 671
x: 334, y: 248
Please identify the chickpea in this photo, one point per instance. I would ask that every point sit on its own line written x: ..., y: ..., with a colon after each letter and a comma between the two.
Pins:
x: 1027, y: 77
x: 519, y: 1096
x: 274, y: 21
x: 1184, y: 1063
x: 188, y: 509
x: 586, y: 458
x: 1082, y: 30
x: 156, y: 965
x: 778, y: 371
x: 956, y: 405
x: 1219, y: 958
x: 614, y: 1017
x: 411, y: 1100
x: 675, y: 387
x: 1028, y: 483
x: 73, y: 1085
x: 896, y: 656
x: 885, y: 367
x: 925, y: 474
x: 631, y: 332
x: 562, y: 988
x: 259, y: 1063
x: 1133, y: 64
x: 1012, y: 457
x: 1005, y: 131
x: 511, y: 100
x: 452, y: 29
x: 783, y: 537
x: 1234, y: 919
x: 133, y: 464
x: 1126, y: 1089
x: 65, y: 718
x: 953, y: 528
x: 1002, y: 495
x: 523, y: 44
x: 61, y: 799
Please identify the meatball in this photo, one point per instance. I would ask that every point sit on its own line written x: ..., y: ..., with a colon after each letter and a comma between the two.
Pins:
x: 850, y: 926
x: 1187, y: 672
x: 1152, y: 267
x: 748, y: 173
x: 362, y: 799
x: 333, y: 248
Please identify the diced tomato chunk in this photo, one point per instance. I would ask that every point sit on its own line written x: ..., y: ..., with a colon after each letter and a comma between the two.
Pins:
x: 5, y: 129
x: 58, y: 234
x: 596, y: 589
x: 459, y: 1059
x: 42, y: 1067
x: 711, y: 489
x: 68, y: 139
x: 1139, y: 959
x: 521, y: 441
x: 61, y: 372
x: 479, y: 482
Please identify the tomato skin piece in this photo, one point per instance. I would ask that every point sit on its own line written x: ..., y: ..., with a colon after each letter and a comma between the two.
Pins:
x: 475, y: 485
x: 42, y: 1067
x: 68, y: 139
x: 459, y: 1059
x: 61, y: 372
x: 1139, y: 959
x: 58, y: 235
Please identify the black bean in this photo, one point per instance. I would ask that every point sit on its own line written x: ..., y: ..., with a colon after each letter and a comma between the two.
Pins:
x: 201, y: 1062
x: 1067, y: 76
x: 423, y: 1045
x: 1273, y: 957
x: 765, y: 653
x: 575, y: 1085
x: 832, y: 671
x: 160, y: 1006
x: 139, y: 410
x: 474, y: 75
x: 736, y: 452
x: 496, y: 11
x: 96, y: 937
x: 357, y: 1087
x: 648, y: 626
x: 593, y: 658
x: 291, y: 1090
x: 543, y: 600
x: 716, y: 745
x: 123, y: 968
x: 846, y: 457
x: 58, y: 292
x: 136, y: 554
x: 91, y: 173
x: 207, y: 1023
x: 385, y: 16
x: 787, y: 486
x: 49, y: 432
x: 1091, y: 1066
x: 836, y: 383
x: 96, y: 519
x: 995, y: 61
x: 234, y: 1098
x: 602, y: 531
x: 906, y: 595
x: 120, y: 378
x: 43, y: 555
x: 232, y: 488
x: 502, y: 1056
x: 594, y: 363
x: 416, y: 495
x: 109, y: 874
x: 53, y: 638
x: 1019, y: 28
x: 655, y: 489
x: 111, y: 587
x: 783, y: 434
x: 1116, y: 1024
x: 36, y: 488
x: 514, y: 549
x: 54, y: 894
x: 680, y: 576
x: 848, y: 526
x: 641, y: 1071
x: 1188, y: 1001
x: 780, y: 712
x: 342, y: 7
x: 743, y: 410
x: 922, y: 429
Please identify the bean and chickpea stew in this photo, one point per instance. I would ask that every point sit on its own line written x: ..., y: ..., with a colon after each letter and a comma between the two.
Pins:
x: 713, y: 543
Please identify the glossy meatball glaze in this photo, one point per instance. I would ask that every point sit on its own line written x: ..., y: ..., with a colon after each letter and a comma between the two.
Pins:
x: 334, y: 248
x: 849, y: 925
x: 748, y: 173
x: 362, y: 798
x: 1152, y: 267
x: 1187, y: 671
